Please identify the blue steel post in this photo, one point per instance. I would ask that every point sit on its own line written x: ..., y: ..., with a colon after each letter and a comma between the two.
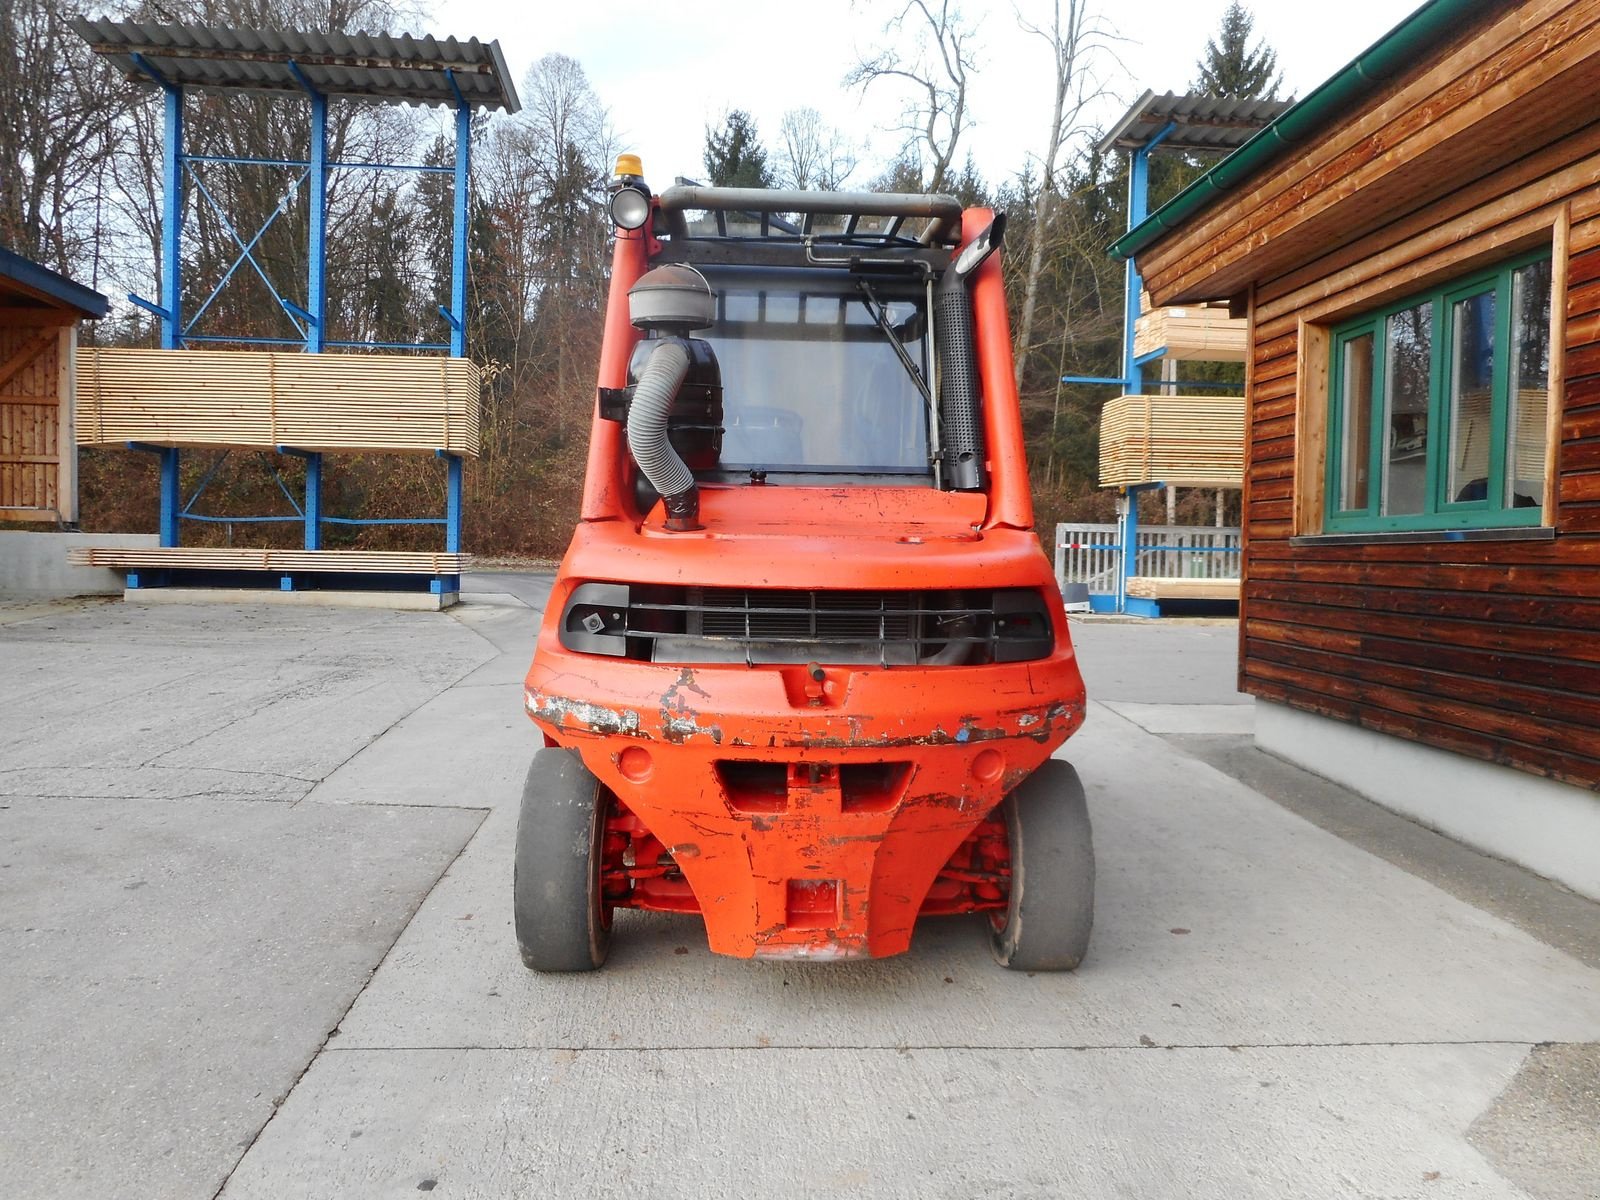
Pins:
x: 452, y: 512
x: 458, y: 246
x: 1138, y: 210
x: 172, y: 226
x: 171, y: 496
x: 316, y: 284
x: 313, y: 504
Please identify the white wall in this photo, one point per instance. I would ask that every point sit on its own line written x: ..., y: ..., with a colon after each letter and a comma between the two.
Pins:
x: 1548, y: 827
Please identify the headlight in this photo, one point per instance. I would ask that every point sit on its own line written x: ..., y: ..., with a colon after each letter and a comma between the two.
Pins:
x: 630, y: 207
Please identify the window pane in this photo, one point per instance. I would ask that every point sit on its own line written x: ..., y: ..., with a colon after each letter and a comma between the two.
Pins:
x: 1530, y: 385
x: 1406, y: 365
x: 1471, y: 397
x: 1356, y: 442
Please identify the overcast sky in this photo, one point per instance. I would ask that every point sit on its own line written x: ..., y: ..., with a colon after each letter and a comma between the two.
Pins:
x: 665, y: 73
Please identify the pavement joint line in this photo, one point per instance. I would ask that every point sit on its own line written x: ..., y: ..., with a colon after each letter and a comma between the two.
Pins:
x: 153, y: 766
x: 279, y: 1101
x: 229, y: 797
x: 390, y: 728
x: 919, y: 1047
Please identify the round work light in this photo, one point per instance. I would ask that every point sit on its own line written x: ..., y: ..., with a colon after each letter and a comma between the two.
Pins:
x: 630, y: 207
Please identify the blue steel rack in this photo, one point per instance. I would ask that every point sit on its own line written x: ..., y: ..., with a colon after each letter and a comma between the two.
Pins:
x: 1175, y: 123
x: 317, y: 67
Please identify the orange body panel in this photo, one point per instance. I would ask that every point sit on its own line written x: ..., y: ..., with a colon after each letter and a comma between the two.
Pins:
x: 810, y: 816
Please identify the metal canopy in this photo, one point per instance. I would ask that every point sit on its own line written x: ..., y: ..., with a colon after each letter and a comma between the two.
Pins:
x: 372, y: 67
x: 1197, y: 122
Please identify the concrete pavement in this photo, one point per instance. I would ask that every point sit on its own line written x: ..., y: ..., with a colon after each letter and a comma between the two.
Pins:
x: 1271, y: 1006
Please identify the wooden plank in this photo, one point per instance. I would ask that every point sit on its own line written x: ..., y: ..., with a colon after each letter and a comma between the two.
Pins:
x: 1286, y: 686
x: 1311, y: 428
x: 66, y: 481
x: 1517, y: 621
x: 1512, y: 707
x: 1196, y: 333
x: 1183, y: 441
x: 328, y: 402
x: 25, y: 354
x: 1444, y: 253
x: 1539, y: 77
x: 1164, y: 587
x: 1365, y: 133
x: 237, y: 558
x: 1543, y: 177
x: 1555, y: 407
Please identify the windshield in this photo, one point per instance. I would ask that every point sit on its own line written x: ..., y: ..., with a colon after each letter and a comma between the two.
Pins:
x: 810, y: 381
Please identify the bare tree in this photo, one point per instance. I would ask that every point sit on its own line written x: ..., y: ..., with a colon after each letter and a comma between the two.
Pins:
x: 58, y: 129
x: 1075, y: 37
x: 812, y: 153
x: 933, y: 61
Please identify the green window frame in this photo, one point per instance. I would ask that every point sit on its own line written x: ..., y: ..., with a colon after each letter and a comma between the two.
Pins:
x: 1412, y: 459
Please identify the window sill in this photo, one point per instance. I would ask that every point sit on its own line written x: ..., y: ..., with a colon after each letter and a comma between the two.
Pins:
x: 1510, y: 533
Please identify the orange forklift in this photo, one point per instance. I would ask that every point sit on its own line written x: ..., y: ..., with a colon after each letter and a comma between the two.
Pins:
x: 805, y: 664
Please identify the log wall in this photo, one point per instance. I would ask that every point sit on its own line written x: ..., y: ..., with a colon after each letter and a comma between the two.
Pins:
x: 1490, y: 649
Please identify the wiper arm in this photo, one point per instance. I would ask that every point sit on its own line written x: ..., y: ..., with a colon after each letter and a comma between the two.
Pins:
x: 880, y: 317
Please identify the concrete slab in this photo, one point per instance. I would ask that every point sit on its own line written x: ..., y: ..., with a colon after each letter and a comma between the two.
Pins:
x: 1269, y: 1123
x: 469, y: 746
x: 1160, y: 662
x: 1221, y: 919
x: 1188, y: 718
x: 285, y: 692
x: 171, y: 967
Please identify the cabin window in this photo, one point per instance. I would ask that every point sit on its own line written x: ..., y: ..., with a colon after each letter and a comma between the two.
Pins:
x: 1438, y: 405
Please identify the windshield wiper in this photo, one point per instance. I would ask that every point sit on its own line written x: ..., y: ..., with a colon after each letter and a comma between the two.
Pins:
x: 880, y: 317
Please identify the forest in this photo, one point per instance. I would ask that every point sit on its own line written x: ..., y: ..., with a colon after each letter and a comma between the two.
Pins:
x: 85, y: 200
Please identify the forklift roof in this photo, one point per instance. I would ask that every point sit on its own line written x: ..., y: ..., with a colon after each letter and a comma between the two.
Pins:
x: 882, y: 220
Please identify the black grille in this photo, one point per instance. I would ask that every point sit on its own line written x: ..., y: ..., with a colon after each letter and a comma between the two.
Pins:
x: 752, y: 626
x: 808, y: 616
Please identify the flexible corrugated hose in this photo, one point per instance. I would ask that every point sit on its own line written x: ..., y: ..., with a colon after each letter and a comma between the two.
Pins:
x: 663, y: 374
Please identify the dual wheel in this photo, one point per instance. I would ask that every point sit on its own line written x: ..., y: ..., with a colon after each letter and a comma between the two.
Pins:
x: 564, y: 924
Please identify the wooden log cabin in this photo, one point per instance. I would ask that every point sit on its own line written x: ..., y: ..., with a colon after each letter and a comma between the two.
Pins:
x: 1417, y: 247
x: 39, y: 315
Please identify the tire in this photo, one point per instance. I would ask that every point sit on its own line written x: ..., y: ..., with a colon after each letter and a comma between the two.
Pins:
x: 1051, y: 911
x: 562, y: 922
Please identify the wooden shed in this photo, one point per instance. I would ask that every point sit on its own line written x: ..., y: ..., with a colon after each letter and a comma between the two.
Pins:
x: 1417, y: 245
x: 39, y: 315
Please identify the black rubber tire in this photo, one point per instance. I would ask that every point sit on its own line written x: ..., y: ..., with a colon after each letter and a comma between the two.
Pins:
x: 562, y: 924
x: 1051, y: 910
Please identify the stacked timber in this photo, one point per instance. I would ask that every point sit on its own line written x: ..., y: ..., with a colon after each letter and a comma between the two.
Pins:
x: 1202, y: 332
x: 285, y: 562
x: 255, y: 400
x: 1171, y: 587
x: 1182, y: 441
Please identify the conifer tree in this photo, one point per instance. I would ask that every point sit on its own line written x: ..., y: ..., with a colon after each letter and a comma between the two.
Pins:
x: 734, y: 156
x: 1231, y: 69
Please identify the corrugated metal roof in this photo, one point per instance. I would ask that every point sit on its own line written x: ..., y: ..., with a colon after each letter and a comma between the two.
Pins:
x: 1201, y: 122
x: 375, y: 67
x: 45, y: 284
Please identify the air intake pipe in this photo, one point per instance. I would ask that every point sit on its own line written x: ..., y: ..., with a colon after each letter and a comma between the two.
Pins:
x: 668, y: 303
x: 960, y: 415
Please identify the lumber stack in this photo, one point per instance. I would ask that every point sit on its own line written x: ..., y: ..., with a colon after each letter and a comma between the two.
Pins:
x: 1182, y: 441
x: 261, y: 400
x: 1202, y: 332
x: 286, y: 562
x: 1167, y: 587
